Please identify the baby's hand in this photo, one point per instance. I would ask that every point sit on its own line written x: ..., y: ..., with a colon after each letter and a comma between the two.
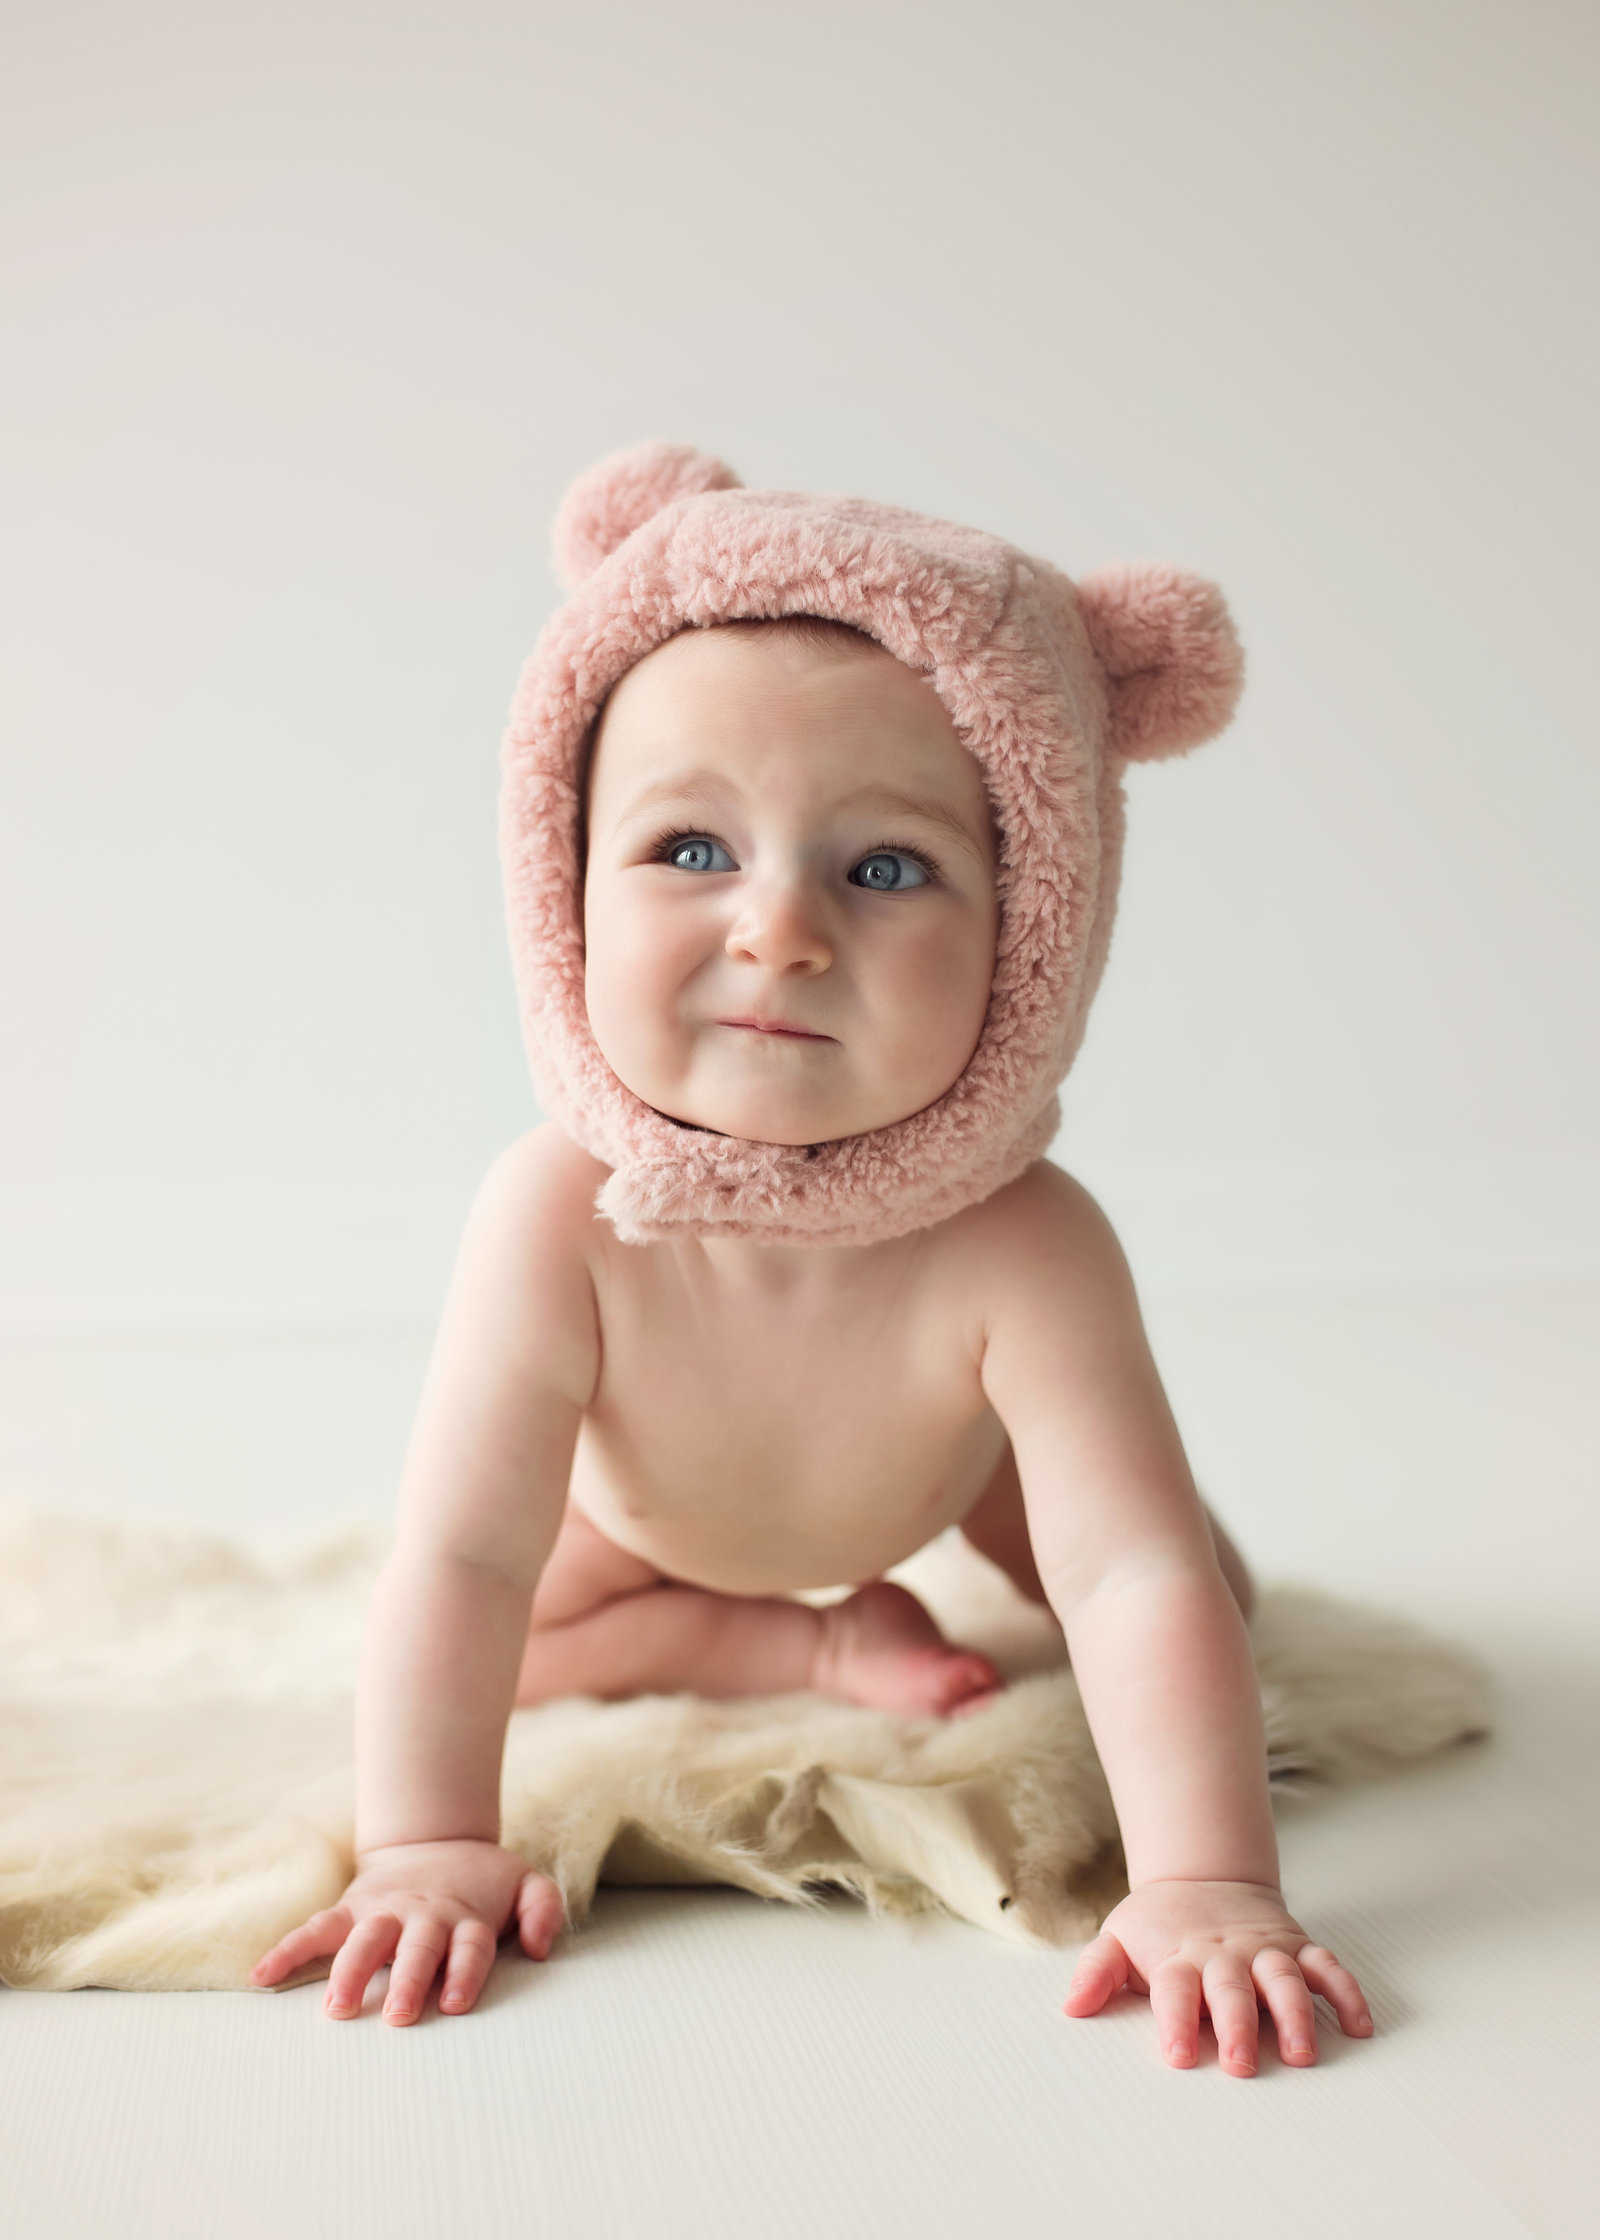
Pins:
x: 1227, y: 1945
x: 417, y: 1906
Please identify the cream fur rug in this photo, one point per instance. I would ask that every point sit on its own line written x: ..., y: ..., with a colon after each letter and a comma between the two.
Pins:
x: 175, y: 1763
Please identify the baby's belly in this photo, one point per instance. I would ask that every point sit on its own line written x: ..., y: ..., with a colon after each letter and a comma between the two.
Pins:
x: 764, y: 1526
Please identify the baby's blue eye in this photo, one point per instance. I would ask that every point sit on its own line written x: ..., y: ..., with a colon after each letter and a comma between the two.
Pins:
x: 888, y: 872
x: 699, y: 852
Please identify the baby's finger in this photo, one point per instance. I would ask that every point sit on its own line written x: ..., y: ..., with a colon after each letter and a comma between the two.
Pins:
x: 313, y: 1940
x: 1294, y: 2018
x: 1231, y: 2000
x: 1175, y: 2003
x: 541, y: 1915
x: 423, y: 1944
x: 472, y: 1950
x: 1338, y: 1986
x: 364, y: 1951
x: 1102, y: 1969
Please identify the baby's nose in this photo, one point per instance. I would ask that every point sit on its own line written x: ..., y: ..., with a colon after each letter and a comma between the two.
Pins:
x: 780, y: 928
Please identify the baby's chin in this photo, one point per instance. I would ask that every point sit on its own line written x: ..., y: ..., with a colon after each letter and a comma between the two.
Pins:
x: 748, y: 1107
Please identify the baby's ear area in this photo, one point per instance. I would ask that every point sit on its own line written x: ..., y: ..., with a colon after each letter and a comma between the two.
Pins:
x: 1174, y: 666
x: 609, y: 501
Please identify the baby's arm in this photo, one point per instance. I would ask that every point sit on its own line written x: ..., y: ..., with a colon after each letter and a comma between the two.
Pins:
x: 1158, y: 1647
x: 481, y: 1500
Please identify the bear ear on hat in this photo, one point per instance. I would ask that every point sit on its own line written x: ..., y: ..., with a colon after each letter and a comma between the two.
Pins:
x: 1173, y: 663
x: 609, y: 501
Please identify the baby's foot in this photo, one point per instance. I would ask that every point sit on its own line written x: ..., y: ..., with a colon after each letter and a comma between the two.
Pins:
x: 881, y: 1648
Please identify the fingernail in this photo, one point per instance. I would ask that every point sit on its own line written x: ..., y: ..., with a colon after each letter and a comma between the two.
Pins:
x: 452, y: 1999
x: 1297, y: 2046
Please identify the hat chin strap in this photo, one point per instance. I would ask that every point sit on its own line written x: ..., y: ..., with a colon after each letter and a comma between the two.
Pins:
x: 861, y: 1190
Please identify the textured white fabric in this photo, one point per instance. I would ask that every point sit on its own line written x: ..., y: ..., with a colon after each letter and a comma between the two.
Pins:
x: 175, y: 1759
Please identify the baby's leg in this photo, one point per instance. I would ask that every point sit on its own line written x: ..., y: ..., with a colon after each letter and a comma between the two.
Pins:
x: 998, y: 1528
x: 606, y: 1624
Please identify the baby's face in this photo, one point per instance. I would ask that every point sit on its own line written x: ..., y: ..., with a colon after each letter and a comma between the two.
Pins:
x: 789, y: 908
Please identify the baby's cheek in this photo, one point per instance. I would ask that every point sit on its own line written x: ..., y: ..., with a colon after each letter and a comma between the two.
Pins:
x: 614, y: 959
x: 632, y: 974
x: 936, y: 1004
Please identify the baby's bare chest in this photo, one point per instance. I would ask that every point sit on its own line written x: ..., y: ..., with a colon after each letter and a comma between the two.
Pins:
x: 763, y: 1442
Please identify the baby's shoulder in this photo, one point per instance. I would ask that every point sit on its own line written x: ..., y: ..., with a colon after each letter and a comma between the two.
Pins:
x: 1043, y: 1233
x: 545, y: 1168
x: 523, y: 1278
x: 535, y: 1205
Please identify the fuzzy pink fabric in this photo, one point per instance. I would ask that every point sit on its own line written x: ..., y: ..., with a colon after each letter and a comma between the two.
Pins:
x: 1053, y: 687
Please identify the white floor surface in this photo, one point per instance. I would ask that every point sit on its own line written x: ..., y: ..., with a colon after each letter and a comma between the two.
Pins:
x: 701, y: 2063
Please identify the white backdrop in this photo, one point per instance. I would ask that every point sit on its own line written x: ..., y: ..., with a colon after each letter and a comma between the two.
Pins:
x: 313, y: 311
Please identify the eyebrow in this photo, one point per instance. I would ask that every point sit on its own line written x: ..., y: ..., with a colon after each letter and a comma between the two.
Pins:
x: 708, y: 785
x: 695, y: 785
x: 895, y: 804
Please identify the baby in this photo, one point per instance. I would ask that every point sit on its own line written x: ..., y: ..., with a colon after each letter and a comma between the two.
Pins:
x: 812, y: 824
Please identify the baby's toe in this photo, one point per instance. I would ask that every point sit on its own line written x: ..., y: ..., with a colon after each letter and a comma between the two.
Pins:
x: 969, y: 1681
x: 944, y: 1682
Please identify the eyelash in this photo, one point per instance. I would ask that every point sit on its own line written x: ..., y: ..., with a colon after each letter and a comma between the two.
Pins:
x: 664, y: 843
x: 903, y: 848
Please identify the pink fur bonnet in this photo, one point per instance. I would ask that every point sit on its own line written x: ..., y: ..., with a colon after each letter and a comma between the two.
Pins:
x: 1054, y: 687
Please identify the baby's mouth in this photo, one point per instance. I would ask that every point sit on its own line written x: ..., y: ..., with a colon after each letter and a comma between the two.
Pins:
x: 774, y: 1026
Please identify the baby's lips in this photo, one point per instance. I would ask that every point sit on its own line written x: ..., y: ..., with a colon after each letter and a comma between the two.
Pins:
x: 779, y: 1027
